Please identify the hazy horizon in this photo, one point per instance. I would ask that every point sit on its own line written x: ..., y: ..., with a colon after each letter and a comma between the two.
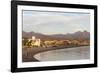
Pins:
x: 56, y: 33
x: 55, y: 22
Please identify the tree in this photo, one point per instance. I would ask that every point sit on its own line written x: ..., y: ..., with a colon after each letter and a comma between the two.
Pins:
x: 24, y: 41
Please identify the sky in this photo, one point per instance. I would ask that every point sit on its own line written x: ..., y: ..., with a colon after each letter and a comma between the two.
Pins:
x: 55, y: 22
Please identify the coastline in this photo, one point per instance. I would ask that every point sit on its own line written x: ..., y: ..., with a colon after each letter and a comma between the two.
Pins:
x: 28, y: 53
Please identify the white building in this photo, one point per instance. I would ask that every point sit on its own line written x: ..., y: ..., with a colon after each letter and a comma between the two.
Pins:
x: 33, y: 37
x: 35, y: 42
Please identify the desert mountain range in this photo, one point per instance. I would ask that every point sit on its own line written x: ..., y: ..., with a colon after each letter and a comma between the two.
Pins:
x: 84, y: 35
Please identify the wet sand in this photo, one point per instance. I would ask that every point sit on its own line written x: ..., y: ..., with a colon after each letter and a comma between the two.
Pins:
x: 28, y: 53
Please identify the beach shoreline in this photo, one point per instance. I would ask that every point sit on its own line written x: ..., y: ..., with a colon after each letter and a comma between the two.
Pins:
x: 28, y: 53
